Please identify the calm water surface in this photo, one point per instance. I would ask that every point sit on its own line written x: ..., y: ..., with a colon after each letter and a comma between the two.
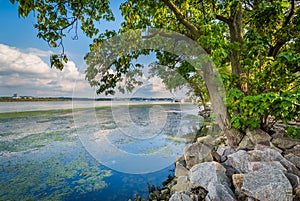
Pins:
x: 67, y: 155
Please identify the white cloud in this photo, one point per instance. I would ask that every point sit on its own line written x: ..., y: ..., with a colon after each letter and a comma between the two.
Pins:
x: 26, y: 73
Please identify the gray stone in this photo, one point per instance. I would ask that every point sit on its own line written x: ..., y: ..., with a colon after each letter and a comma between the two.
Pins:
x: 239, y: 160
x: 254, y: 166
x: 180, y: 197
x: 268, y: 155
x: 219, y: 192
x: 293, y: 159
x: 180, y: 170
x: 183, y: 185
x: 211, y: 176
x: 267, y: 184
x: 221, y: 150
x: 197, y: 153
x: 285, y: 142
x: 258, y: 136
x: 209, y: 172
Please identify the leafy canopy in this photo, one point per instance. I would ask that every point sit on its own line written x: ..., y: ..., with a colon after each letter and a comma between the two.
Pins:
x: 254, y: 44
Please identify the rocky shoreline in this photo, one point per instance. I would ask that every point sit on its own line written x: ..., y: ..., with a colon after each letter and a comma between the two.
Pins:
x: 264, y: 167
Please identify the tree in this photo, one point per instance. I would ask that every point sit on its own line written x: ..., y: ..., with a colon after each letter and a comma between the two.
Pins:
x: 259, y: 40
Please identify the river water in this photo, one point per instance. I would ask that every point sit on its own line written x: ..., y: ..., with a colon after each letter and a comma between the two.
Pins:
x: 107, y: 151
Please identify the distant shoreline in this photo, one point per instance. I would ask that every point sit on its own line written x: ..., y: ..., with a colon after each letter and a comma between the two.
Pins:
x: 37, y: 99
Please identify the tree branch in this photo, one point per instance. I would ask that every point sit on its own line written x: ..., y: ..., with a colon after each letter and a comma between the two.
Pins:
x: 290, y: 14
x: 181, y: 18
x: 224, y: 19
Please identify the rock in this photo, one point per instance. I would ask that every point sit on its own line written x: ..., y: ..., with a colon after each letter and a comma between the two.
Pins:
x: 197, y: 153
x: 180, y: 170
x: 294, y: 179
x: 179, y: 159
x: 262, y: 147
x: 285, y: 142
x: 180, y: 197
x: 183, y: 185
x: 237, y: 180
x: 204, y: 173
x: 246, y: 143
x: 211, y: 176
x: 293, y: 159
x: 208, y: 139
x: 267, y: 184
x: 258, y: 136
x: 295, y: 150
x: 268, y: 155
x: 219, y: 192
x: 239, y: 160
x: 254, y: 166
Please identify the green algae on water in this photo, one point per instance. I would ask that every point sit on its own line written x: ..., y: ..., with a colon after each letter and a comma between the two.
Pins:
x: 51, y: 179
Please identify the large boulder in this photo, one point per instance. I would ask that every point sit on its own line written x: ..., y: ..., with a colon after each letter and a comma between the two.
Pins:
x: 258, y: 136
x: 180, y: 197
x: 267, y: 184
x: 244, y: 161
x: 211, y: 176
x: 268, y: 155
x: 197, y: 153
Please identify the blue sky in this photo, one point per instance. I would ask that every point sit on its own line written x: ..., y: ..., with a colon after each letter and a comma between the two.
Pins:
x: 24, y: 60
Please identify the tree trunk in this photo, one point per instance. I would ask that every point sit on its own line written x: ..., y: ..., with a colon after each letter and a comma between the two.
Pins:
x: 217, y: 97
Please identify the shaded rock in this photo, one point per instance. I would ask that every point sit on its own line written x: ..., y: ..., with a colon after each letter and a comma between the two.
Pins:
x: 246, y: 143
x: 258, y: 136
x: 267, y: 184
x: 220, y: 192
x: 294, y: 179
x: 295, y: 150
x: 285, y: 142
x: 180, y: 170
x: 183, y: 185
x: 180, y: 197
x: 197, y: 153
x: 293, y: 159
x: 239, y: 160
